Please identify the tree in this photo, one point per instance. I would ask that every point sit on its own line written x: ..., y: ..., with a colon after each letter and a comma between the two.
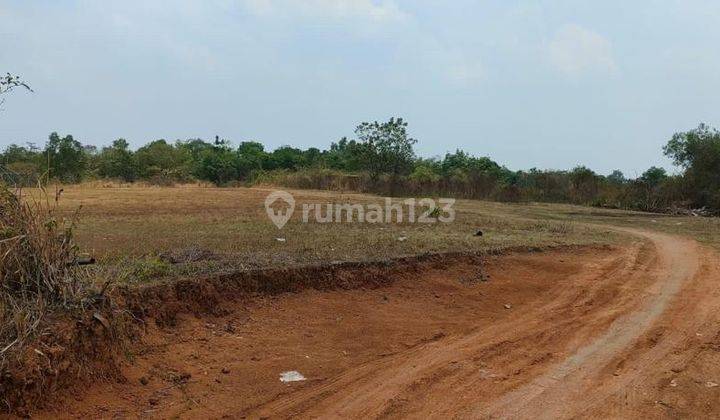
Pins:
x: 346, y: 155
x: 584, y: 183
x: 10, y: 82
x: 158, y: 159
x: 654, y: 176
x: 15, y: 153
x: 388, y: 148
x: 118, y: 161
x: 250, y: 157
x: 425, y: 171
x: 23, y: 162
x: 698, y: 152
x: 285, y: 157
x: 616, y: 177
x: 218, y: 165
x: 312, y: 157
x: 66, y: 158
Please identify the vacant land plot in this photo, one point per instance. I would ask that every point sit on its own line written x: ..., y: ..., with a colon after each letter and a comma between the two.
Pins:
x: 212, y: 229
x: 620, y: 306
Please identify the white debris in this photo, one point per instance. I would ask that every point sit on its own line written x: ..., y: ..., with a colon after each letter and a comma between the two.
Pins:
x: 673, y: 383
x: 402, y: 238
x: 280, y: 239
x: 291, y: 376
x: 711, y: 384
x: 508, y: 306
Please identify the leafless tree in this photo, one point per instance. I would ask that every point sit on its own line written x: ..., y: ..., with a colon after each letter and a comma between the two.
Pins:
x: 10, y: 82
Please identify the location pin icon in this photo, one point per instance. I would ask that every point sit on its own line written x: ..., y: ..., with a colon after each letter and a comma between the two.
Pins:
x: 281, y: 216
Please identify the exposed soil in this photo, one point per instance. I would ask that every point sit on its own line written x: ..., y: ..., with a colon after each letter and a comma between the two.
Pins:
x: 631, y: 331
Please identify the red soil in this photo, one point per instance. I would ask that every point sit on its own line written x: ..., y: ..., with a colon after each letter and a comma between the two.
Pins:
x: 622, y: 332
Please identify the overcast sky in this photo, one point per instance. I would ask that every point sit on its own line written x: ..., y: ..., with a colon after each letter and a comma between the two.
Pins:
x: 548, y: 84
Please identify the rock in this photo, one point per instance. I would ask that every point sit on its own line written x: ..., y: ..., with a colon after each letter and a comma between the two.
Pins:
x: 144, y: 380
x: 225, y: 370
x: 153, y: 401
x: 479, y: 233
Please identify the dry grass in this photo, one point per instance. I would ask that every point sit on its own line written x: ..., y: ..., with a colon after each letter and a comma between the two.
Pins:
x: 136, y: 228
x: 37, y: 274
x: 706, y: 230
x: 140, y: 232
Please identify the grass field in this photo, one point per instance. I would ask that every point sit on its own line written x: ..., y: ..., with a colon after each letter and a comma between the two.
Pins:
x: 227, y: 228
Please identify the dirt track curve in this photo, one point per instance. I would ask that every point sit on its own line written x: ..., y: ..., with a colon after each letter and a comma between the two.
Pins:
x: 622, y: 332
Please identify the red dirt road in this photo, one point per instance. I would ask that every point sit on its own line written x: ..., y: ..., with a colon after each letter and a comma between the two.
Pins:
x: 622, y: 332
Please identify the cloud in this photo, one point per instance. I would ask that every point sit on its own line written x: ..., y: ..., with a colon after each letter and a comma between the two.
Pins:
x: 575, y: 50
x: 375, y: 11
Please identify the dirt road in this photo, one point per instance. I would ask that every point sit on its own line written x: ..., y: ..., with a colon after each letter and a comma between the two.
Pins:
x: 621, y: 332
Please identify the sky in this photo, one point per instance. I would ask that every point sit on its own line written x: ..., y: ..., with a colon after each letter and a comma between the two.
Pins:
x: 546, y: 84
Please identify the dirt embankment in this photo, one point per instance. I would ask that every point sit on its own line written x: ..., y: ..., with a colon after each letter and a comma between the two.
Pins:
x: 91, y: 346
x: 618, y: 332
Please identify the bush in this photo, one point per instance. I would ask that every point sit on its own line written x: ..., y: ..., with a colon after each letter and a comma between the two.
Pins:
x: 37, y: 270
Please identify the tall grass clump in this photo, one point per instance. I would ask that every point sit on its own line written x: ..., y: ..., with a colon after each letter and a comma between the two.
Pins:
x: 38, y: 275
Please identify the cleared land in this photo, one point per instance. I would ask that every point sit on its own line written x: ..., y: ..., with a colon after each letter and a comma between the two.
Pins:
x: 211, y: 229
x: 618, y: 316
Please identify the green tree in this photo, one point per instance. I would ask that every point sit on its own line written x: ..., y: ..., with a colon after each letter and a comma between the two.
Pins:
x: 585, y: 184
x: 698, y: 152
x: 14, y: 153
x: 66, y: 156
x: 616, y: 177
x: 654, y: 176
x: 346, y: 155
x: 286, y: 157
x: 388, y: 149
x: 425, y: 171
x: 312, y: 157
x: 161, y: 160
x: 250, y: 157
x: 118, y: 161
x: 218, y: 165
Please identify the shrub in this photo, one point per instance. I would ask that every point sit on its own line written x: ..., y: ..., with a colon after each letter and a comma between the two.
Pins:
x: 37, y: 270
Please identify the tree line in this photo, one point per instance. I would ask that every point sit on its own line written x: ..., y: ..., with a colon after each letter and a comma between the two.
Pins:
x: 381, y: 158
